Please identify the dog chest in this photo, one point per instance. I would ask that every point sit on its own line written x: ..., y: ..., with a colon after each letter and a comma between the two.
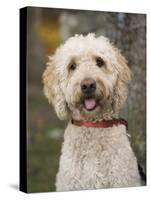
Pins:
x: 91, y: 158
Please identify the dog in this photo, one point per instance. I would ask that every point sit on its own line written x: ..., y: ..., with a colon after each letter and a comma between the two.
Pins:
x: 86, y: 80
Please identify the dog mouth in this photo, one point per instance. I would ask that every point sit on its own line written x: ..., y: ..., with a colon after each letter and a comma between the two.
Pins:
x: 89, y: 103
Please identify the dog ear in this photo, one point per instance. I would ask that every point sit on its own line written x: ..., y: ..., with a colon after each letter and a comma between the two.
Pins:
x: 123, y: 79
x: 53, y: 91
x: 123, y: 75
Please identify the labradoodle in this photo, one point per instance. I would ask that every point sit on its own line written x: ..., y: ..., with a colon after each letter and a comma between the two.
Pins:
x: 86, y: 80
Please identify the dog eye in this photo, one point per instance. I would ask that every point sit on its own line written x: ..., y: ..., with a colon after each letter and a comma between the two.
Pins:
x: 73, y: 66
x: 99, y: 62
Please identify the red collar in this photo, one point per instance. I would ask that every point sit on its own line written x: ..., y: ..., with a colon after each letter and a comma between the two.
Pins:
x: 100, y: 124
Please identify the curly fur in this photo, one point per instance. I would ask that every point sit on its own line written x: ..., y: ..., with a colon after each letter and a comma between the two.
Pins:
x: 91, y: 157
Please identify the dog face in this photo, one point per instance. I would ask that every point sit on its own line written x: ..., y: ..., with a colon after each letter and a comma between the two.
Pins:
x: 87, y: 79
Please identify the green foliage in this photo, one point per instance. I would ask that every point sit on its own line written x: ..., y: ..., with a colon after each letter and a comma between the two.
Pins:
x: 43, y: 157
x: 45, y: 134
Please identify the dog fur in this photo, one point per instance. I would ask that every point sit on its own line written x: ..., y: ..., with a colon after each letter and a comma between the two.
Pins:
x: 91, y: 158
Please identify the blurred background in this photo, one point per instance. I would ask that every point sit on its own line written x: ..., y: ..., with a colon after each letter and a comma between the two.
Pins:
x: 47, y: 28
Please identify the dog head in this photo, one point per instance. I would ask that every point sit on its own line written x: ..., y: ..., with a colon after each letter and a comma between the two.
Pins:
x: 87, y: 78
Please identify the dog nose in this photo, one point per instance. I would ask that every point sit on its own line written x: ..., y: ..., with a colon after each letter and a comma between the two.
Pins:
x: 88, y: 86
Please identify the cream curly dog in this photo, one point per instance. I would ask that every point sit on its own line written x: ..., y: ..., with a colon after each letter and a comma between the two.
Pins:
x: 87, y: 83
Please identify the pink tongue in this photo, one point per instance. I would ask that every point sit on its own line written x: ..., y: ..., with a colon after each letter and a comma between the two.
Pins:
x: 90, y: 103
